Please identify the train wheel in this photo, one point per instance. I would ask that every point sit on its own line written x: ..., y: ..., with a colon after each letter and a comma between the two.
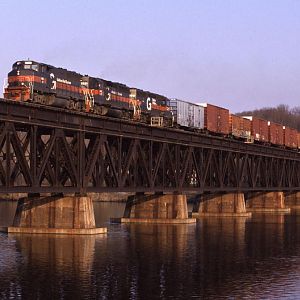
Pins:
x: 100, y: 110
x: 38, y: 99
x: 167, y: 122
x: 77, y: 106
x: 70, y: 105
x: 127, y: 115
x: 49, y: 99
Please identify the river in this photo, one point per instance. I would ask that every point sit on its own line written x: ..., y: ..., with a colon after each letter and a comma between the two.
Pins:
x: 217, y: 258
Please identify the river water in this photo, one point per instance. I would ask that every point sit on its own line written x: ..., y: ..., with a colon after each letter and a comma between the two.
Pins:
x: 217, y: 258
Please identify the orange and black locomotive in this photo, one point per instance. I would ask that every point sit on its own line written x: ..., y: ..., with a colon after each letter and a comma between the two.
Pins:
x: 48, y: 85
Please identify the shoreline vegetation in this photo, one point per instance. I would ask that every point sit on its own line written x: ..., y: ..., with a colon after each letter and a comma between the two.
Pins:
x: 281, y: 114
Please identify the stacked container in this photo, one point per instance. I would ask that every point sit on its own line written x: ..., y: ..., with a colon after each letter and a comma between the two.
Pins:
x: 216, y: 119
x: 290, y: 137
x: 240, y: 127
x: 259, y: 129
x: 187, y: 114
x: 276, y: 133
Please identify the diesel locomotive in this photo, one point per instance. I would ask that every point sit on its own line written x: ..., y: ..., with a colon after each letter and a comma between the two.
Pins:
x: 48, y: 85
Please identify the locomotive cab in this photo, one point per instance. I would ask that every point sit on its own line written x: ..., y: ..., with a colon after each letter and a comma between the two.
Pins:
x: 22, y: 80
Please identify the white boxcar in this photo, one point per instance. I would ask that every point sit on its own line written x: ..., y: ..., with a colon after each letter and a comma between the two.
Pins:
x: 187, y: 114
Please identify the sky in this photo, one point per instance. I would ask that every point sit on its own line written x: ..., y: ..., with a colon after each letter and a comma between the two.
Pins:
x: 241, y: 54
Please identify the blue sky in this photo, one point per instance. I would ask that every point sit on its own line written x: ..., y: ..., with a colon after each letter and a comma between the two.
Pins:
x: 236, y: 54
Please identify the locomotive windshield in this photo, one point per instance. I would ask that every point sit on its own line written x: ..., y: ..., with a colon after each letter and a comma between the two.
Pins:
x: 26, y: 65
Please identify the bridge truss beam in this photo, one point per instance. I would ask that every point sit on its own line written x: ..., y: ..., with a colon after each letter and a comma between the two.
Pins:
x: 45, y: 150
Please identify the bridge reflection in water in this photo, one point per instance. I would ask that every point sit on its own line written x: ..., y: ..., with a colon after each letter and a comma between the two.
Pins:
x: 228, y: 257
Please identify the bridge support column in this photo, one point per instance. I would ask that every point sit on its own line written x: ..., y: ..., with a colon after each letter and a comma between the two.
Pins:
x: 167, y: 209
x: 292, y: 200
x: 221, y: 205
x: 55, y: 214
x: 272, y: 202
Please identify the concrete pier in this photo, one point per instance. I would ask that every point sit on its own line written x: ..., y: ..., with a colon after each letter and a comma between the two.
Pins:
x: 156, y: 208
x: 292, y: 200
x: 56, y: 215
x: 221, y: 205
x: 272, y: 202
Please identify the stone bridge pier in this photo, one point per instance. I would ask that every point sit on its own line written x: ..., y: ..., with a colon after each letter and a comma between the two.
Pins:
x: 156, y: 208
x: 55, y: 214
x: 272, y: 202
x: 292, y: 200
x: 220, y: 205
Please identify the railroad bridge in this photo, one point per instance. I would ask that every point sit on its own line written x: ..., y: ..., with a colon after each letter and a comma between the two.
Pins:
x: 51, y: 151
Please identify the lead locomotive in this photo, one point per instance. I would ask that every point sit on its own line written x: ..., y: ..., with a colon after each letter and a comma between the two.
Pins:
x: 48, y: 85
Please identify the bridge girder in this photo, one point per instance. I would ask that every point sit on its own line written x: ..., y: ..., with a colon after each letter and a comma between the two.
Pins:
x: 44, y: 150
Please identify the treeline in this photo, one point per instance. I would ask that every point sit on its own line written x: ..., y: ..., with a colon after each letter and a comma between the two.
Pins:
x: 281, y: 114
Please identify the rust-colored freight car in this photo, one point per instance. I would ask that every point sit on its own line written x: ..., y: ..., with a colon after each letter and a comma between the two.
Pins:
x: 298, y: 135
x: 290, y: 137
x: 216, y: 119
x: 259, y: 129
x: 240, y: 127
x: 276, y: 134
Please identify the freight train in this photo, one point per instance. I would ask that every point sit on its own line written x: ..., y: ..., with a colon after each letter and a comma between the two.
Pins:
x: 47, y: 85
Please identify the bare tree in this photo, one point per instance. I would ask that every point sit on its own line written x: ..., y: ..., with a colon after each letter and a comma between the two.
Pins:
x: 281, y: 114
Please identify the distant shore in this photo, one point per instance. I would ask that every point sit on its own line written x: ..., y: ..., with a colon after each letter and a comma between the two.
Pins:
x: 96, y: 197
x: 120, y: 197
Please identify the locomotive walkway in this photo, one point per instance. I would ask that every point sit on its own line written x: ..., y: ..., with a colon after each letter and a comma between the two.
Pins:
x: 50, y: 150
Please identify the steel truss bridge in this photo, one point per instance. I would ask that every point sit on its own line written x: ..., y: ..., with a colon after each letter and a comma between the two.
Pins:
x: 51, y: 150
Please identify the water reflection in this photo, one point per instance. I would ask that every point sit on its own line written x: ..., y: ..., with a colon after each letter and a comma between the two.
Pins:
x: 169, y: 241
x: 265, y: 230
x: 219, y: 257
x: 66, y: 261
x: 10, y: 261
x: 219, y: 253
x: 7, y: 212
